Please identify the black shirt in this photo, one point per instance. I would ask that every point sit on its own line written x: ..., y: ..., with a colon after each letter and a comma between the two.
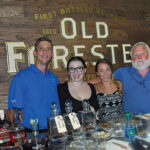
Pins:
x: 64, y: 94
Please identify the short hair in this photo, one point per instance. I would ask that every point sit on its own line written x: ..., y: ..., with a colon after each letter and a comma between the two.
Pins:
x: 42, y: 39
x: 76, y: 58
x: 138, y: 44
x: 103, y: 61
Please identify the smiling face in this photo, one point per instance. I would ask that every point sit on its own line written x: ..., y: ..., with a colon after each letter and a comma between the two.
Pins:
x: 76, y: 71
x: 104, y: 72
x: 140, y: 57
x: 43, y: 53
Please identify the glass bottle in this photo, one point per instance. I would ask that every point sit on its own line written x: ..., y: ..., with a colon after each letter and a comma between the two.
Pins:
x: 17, y: 133
x: 35, y: 140
x: 4, y: 130
x: 88, y: 117
x: 56, y: 127
x: 129, y: 130
x: 75, y: 133
x: 71, y: 119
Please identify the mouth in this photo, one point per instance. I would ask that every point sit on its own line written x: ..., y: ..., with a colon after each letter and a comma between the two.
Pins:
x: 44, y: 56
x: 76, y: 76
x: 140, y: 62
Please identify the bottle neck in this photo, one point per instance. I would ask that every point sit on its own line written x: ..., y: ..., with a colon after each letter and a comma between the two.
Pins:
x: 86, y: 107
x: 55, y: 112
x: 68, y: 109
x: 35, y: 131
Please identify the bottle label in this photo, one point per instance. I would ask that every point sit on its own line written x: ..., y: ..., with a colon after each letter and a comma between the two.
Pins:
x: 4, y: 134
x: 129, y: 132
x: 74, y: 120
x: 2, y: 115
x: 61, y: 127
x: 17, y: 136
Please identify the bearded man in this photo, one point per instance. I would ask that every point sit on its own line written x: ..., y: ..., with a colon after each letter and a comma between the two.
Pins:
x: 136, y: 80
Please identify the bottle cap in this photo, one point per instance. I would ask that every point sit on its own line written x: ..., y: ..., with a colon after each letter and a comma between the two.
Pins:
x: 54, y: 108
x: 68, y: 106
x: 128, y: 115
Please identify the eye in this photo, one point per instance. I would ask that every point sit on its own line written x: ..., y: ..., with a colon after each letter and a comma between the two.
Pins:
x: 101, y: 71
x: 40, y: 47
x: 108, y: 69
x: 143, y: 54
x: 135, y: 55
x: 71, y: 68
x: 79, y: 68
x: 48, y: 48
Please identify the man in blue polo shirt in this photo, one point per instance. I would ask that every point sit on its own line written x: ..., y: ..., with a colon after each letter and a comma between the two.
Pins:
x: 35, y: 88
x: 136, y: 80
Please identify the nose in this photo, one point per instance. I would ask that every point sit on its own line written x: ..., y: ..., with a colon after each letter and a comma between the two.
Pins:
x: 44, y: 50
x: 75, y: 70
x: 139, y: 56
x: 105, y: 72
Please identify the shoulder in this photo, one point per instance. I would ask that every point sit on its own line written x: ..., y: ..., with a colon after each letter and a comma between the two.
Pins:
x: 123, y: 69
x: 52, y: 75
x: 22, y: 74
x: 91, y: 85
x: 62, y: 85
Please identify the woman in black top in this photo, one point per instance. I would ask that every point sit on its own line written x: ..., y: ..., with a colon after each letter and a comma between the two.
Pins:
x: 76, y: 89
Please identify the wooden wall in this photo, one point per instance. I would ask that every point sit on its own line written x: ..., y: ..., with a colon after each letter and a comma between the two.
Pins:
x: 23, y: 21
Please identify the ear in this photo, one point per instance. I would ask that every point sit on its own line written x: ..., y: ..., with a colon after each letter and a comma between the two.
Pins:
x: 35, y: 53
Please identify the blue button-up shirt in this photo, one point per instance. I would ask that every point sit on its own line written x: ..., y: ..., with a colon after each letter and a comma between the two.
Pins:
x: 33, y: 92
x: 136, y: 89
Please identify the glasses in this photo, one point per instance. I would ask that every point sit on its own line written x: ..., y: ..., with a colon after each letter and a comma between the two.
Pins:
x: 78, y: 69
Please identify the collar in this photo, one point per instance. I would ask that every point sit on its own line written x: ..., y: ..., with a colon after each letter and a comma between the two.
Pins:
x: 37, y: 70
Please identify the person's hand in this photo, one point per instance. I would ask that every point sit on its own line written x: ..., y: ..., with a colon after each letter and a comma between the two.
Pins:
x: 20, y: 116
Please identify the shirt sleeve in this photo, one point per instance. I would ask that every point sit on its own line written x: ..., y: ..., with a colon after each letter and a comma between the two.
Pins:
x: 15, y: 98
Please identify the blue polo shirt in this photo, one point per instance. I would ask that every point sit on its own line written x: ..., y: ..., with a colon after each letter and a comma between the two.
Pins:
x: 33, y: 92
x: 136, y: 89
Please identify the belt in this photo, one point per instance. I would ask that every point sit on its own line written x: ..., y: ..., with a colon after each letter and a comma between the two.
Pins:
x: 40, y: 131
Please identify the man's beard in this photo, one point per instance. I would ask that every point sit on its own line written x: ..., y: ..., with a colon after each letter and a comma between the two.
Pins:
x: 141, y: 65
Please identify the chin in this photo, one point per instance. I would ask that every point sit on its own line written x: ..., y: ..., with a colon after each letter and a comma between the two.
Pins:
x: 77, y: 80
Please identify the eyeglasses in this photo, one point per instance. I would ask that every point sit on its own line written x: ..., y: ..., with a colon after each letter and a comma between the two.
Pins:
x: 78, y: 69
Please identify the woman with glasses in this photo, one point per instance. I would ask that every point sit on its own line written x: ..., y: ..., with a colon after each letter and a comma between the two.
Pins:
x: 109, y: 92
x: 76, y: 89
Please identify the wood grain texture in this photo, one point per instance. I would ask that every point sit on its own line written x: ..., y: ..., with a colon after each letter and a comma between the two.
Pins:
x: 26, y: 20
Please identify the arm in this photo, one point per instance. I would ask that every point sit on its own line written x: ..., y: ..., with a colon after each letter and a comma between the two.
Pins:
x: 10, y: 115
x: 94, y: 81
x: 15, y: 97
